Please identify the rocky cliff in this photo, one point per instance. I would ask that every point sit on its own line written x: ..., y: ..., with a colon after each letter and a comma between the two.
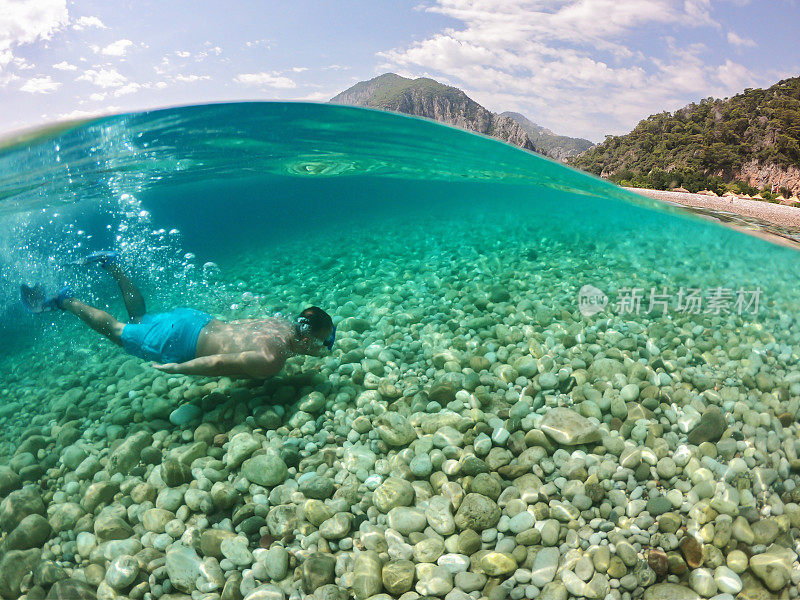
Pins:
x: 763, y: 176
x: 433, y: 100
x: 556, y: 146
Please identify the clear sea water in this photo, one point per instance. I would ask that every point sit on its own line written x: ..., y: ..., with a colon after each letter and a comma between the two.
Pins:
x: 440, y: 239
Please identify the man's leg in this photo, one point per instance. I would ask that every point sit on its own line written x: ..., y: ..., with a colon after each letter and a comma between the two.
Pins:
x: 99, y: 320
x: 134, y: 302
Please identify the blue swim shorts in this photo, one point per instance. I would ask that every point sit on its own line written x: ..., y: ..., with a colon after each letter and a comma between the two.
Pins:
x: 165, y: 337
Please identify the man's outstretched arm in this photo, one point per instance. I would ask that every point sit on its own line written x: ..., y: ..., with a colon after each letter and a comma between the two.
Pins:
x: 241, y: 364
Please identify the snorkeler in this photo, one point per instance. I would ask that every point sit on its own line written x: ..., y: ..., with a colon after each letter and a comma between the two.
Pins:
x: 190, y: 342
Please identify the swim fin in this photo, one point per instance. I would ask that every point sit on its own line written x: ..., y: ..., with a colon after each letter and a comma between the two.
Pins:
x: 103, y: 257
x: 35, y: 300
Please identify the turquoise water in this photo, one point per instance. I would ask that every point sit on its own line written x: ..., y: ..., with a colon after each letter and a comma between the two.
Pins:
x: 452, y: 265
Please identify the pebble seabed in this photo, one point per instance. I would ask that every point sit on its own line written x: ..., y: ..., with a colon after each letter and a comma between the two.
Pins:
x: 470, y: 436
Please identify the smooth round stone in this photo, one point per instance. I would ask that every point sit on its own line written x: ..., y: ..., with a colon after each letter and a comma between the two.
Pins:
x: 666, y: 468
x: 500, y: 436
x: 433, y: 580
x: 439, y: 517
x: 477, y: 512
x: 670, y: 591
x: 277, y: 562
x: 392, y: 493
x: 455, y: 563
x: 318, y: 570
x: 421, y: 466
x: 669, y: 522
x: 521, y: 522
x: 112, y: 550
x: 765, y: 531
x: 428, y: 550
x: 550, y: 532
x: 265, y: 470
x: 85, y: 543
x: 469, y: 542
x: 702, y: 581
x: 567, y: 427
x: 727, y: 580
x: 545, y: 565
x: 773, y: 567
x: 470, y: 582
x: 241, y: 446
x: 548, y: 381
x: 72, y: 456
x: 584, y: 568
x: 630, y: 392
x: 367, y: 578
x: 742, y: 531
x: 737, y: 561
x: 497, y: 564
x: 658, y: 506
x: 407, y: 519
x: 398, y: 576
x: 183, y: 567
x: 156, y: 519
x: 122, y: 572
x: 235, y: 550
x: 185, y: 414
x: 336, y: 527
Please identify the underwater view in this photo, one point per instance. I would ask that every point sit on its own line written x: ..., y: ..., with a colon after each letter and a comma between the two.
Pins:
x: 420, y: 363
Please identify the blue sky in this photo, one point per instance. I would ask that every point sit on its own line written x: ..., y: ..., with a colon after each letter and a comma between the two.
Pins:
x: 580, y: 67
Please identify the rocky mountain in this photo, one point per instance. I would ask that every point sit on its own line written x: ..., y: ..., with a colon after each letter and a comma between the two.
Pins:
x: 424, y: 97
x: 746, y: 143
x: 556, y: 146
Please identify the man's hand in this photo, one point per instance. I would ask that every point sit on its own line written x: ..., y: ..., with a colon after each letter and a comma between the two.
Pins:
x: 166, y: 367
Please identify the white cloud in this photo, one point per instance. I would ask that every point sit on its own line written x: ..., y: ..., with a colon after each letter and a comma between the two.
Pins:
x: 65, y: 66
x: 318, y: 96
x: 26, y: 21
x: 118, y: 48
x: 82, y: 23
x: 254, y: 43
x: 299, y: 69
x: 212, y: 51
x: 128, y: 88
x: 22, y: 64
x: 183, y: 53
x: 77, y: 114
x: 40, y: 85
x: 191, y: 78
x: 273, y: 80
x: 736, y: 40
x: 98, y: 96
x: 735, y: 77
x: 104, y: 78
x: 567, y: 63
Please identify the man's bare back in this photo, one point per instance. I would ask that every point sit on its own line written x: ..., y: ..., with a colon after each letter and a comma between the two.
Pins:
x: 270, y: 335
x: 195, y: 342
x: 255, y: 348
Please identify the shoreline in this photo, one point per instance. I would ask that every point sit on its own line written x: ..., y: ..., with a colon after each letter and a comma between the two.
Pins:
x: 777, y: 214
x: 776, y: 222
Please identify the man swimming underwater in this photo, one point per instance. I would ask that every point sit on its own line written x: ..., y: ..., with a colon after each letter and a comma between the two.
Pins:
x: 191, y: 342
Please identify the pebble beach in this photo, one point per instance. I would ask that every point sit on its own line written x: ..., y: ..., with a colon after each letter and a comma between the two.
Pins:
x: 781, y: 220
x: 471, y: 436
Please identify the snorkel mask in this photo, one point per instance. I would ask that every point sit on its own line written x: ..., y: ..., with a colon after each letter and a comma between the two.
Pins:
x: 304, y: 330
x: 331, y: 338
